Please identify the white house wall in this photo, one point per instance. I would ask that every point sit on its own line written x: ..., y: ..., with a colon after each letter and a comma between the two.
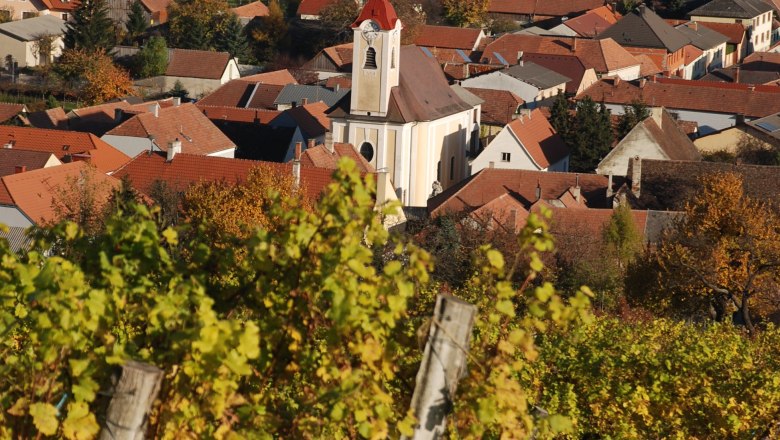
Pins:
x: 708, y: 122
x: 638, y: 142
x: 504, y: 142
x: 627, y: 73
x: 11, y: 216
x: 130, y: 145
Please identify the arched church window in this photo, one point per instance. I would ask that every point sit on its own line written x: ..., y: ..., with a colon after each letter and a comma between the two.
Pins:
x: 367, y: 151
x: 370, y: 58
x: 392, y: 59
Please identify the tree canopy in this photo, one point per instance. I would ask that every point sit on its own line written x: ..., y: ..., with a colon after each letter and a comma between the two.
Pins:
x: 91, y: 28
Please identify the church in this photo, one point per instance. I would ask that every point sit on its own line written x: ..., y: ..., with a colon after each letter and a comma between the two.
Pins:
x: 401, y: 114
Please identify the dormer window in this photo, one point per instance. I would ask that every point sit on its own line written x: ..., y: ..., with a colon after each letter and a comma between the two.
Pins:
x: 370, y: 58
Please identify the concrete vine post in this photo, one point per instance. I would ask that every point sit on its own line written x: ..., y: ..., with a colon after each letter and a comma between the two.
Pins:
x: 132, y: 399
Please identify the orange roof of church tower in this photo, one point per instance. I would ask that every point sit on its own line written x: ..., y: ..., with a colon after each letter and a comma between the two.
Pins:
x: 381, y: 11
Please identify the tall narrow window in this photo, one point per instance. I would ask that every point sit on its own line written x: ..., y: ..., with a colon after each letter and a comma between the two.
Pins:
x: 438, y: 172
x: 392, y: 59
x: 370, y: 58
x: 452, y: 167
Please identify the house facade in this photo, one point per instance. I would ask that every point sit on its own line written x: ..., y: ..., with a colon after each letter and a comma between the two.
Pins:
x: 21, y: 40
x: 401, y: 113
x: 530, y: 81
x: 754, y: 15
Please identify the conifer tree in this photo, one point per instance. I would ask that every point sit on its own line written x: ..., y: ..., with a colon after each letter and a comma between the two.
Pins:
x: 559, y: 115
x: 136, y: 21
x: 91, y: 28
x: 232, y: 38
x: 632, y: 115
x: 590, y: 136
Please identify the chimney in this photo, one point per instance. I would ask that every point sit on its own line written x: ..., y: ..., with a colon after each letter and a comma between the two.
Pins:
x: 304, y: 101
x: 635, y: 173
x: 329, y: 142
x: 576, y: 192
x: 657, y: 114
x: 520, y: 57
x: 311, y: 143
x: 296, y: 167
x: 736, y: 75
x: 609, y: 187
x: 20, y: 169
x: 176, y: 101
x: 695, y: 25
x: 118, y: 115
x: 642, y: 83
x: 8, y: 145
x: 574, y: 44
x: 538, y: 190
x: 174, y: 148
x: 336, y: 87
x: 491, y: 164
x: 155, y: 110
x: 616, y: 80
x: 752, y: 88
x: 512, y: 220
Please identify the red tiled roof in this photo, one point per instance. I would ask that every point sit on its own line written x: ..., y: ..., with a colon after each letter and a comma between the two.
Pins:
x: 691, y: 53
x: 277, y: 77
x: 235, y: 93
x: 311, y: 118
x: 763, y: 57
x: 380, y: 11
x: 321, y: 157
x: 467, y: 70
x: 65, y: 144
x: 264, y: 96
x: 671, y: 138
x: 447, y: 55
x: 342, y: 81
x: 539, y: 139
x: 735, y: 32
x: 341, y: 54
x: 34, y: 192
x: 205, y: 64
x: 156, y: 5
x: 185, y: 123
x: 61, y: 5
x: 500, y: 106
x: 489, y: 183
x: 314, y: 7
x: 236, y: 114
x: 602, y: 55
x: 251, y: 10
x: 504, y: 211
x: 448, y: 37
x: 551, y: 8
x: 10, y: 158
x: 648, y: 67
x: 567, y: 65
x: 588, y: 25
x: 51, y: 118
x: 607, y: 12
x: 566, y: 223
x: 187, y: 169
x: 715, y: 97
x: 8, y: 110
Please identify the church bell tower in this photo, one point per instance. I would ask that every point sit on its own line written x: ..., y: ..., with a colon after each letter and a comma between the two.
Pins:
x: 376, y: 47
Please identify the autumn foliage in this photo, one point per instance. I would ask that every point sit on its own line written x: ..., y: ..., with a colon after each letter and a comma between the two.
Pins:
x: 99, y: 78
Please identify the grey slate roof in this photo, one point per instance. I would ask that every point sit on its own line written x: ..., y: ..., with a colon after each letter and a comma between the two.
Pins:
x: 643, y: 28
x: 536, y: 75
x: 17, y: 237
x: 467, y: 97
x: 732, y: 9
x: 701, y: 36
x: 31, y: 28
x: 298, y: 92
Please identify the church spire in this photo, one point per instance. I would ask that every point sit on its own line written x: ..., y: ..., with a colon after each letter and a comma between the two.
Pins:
x: 381, y: 11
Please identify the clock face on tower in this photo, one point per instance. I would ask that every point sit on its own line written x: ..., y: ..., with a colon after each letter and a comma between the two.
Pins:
x: 370, y: 31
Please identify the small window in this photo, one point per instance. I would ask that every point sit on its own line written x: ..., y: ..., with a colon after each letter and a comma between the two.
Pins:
x: 452, y: 167
x: 438, y: 172
x: 392, y: 60
x: 64, y: 17
x: 367, y: 151
x: 506, y: 157
x: 370, y: 58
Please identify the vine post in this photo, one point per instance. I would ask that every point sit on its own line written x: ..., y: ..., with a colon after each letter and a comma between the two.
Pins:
x: 133, y: 397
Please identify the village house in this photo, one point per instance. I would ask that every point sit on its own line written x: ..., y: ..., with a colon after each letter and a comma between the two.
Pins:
x: 183, y: 127
x: 756, y: 68
x: 256, y: 91
x: 250, y: 11
x: 711, y: 43
x: 26, y: 40
x: 736, y: 43
x: 657, y: 137
x: 66, y: 146
x: 498, y: 108
x: 605, y: 56
x: 530, y: 81
x: 198, y: 71
x: 10, y: 111
x: 401, y: 113
x: 754, y: 15
x: 713, y: 106
x: 331, y: 61
x: 529, y: 142
x: 532, y: 11
x: 567, y: 65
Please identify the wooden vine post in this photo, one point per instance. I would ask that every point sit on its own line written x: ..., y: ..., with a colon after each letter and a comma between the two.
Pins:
x: 131, y: 402
x: 443, y: 364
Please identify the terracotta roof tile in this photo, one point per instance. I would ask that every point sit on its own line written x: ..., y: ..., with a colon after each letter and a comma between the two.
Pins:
x: 187, y: 63
x: 321, y: 157
x: 51, y: 118
x: 341, y: 54
x: 588, y: 25
x: 264, y: 96
x: 187, y: 169
x: 251, y: 10
x: 314, y: 7
x: 341, y: 81
x: 490, y: 183
x: 277, y: 77
x: 587, y: 224
x: 235, y: 93
x: 9, y: 110
x: 735, y: 32
x: 34, y: 192
x: 602, y: 55
x: 448, y: 37
x: 61, y: 5
x: 185, y: 123
x: 11, y: 158
x: 311, y: 118
x: 65, y: 145
x: 236, y: 114
x: 567, y: 65
x: 539, y: 138
x: 671, y: 138
x: 499, y: 106
x: 716, y: 97
x: 648, y: 67
x: 553, y: 8
x: 607, y: 12
x: 691, y: 53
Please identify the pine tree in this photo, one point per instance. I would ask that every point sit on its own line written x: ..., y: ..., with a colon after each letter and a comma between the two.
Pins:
x: 195, y: 38
x: 91, y: 28
x: 136, y: 22
x: 152, y: 59
x: 632, y: 115
x: 590, y: 136
x: 559, y: 115
x: 232, y: 39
